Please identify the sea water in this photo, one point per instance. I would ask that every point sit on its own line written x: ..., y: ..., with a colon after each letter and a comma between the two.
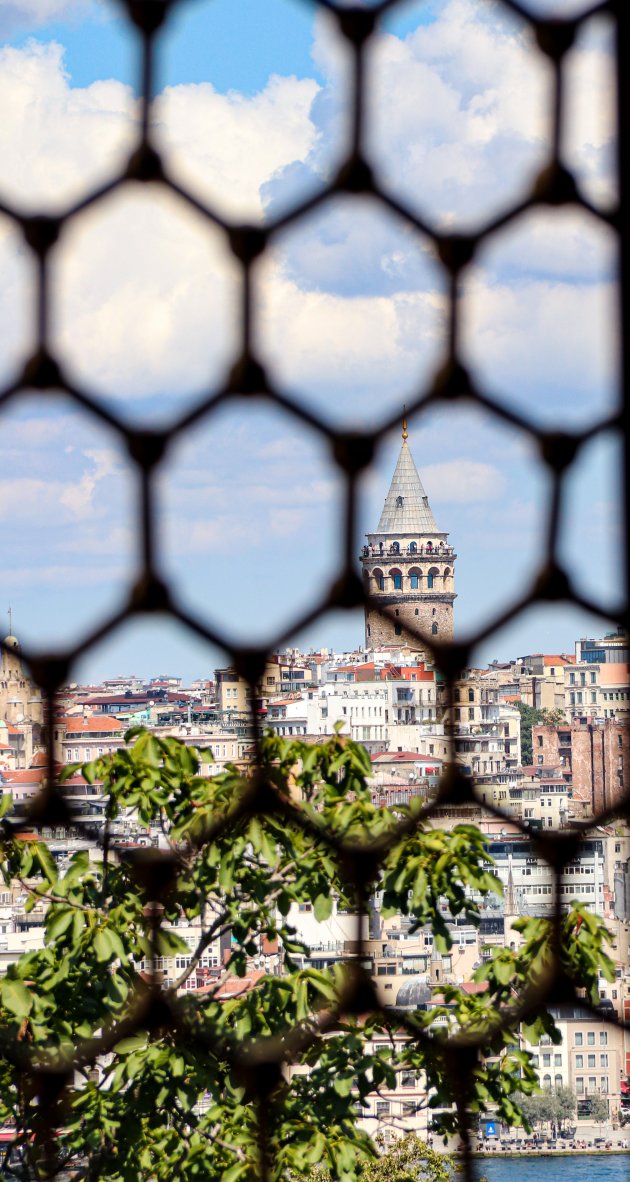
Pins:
x: 578, y: 1167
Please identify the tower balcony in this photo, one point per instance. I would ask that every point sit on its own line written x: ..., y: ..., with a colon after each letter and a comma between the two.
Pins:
x: 390, y: 595
x: 412, y: 551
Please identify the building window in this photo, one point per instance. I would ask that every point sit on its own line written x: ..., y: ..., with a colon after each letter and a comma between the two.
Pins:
x: 430, y: 580
x: 590, y: 1038
x: 434, y: 629
x: 413, y: 579
x: 603, y: 1038
x: 603, y: 1060
x: 590, y: 1061
x: 579, y: 1061
x: 579, y: 1038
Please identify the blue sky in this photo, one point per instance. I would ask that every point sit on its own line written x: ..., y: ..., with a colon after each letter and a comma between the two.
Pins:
x: 250, y: 110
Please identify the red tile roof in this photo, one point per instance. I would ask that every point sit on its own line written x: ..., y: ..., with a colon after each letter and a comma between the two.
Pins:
x: 95, y: 724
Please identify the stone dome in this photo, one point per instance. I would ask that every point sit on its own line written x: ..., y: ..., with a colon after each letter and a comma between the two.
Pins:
x: 415, y: 992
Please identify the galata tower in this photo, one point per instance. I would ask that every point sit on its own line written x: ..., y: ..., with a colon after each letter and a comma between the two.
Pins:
x: 408, y: 565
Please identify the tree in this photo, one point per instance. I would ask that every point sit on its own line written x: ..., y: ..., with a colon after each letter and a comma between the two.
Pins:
x: 144, y: 1083
x: 539, y: 1108
x: 566, y: 1103
x: 407, y: 1160
x: 598, y: 1108
x: 552, y: 1106
x: 531, y: 716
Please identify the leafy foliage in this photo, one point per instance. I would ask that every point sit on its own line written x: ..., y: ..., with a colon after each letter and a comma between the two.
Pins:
x: 200, y: 1084
x: 551, y: 1106
x: 531, y: 716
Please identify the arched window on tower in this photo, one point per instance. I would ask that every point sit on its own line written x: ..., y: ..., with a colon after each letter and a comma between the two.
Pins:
x: 379, y: 579
x: 431, y: 577
x: 413, y: 547
x: 415, y: 577
x: 396, y: 577
x: 395, y: 547
x: 434, y: 629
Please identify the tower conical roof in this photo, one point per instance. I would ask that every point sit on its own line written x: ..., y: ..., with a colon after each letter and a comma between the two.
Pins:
x: 406, y: 509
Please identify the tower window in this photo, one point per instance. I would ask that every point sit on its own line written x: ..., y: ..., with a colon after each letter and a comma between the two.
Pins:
x: 417, y: 612
x: 395, y: 547
x: 434, y: 629
x: 400, y: 502
x: 396, y: 577
x: 429, y: 581
x: 414, y: 581
x: 413, y: 547
x: 398, y: 629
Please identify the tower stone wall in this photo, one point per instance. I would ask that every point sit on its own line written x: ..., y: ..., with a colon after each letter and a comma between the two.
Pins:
x: 408, y: 566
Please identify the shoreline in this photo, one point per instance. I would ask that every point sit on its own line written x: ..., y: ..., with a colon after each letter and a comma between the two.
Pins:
x: 616, y: 1150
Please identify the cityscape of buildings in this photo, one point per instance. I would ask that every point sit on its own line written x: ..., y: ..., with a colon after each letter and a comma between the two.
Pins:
x: 544, y: 738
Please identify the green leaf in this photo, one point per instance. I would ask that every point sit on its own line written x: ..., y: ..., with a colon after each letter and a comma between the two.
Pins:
x: 134, y: 1043
x: 16, y: 997
x: 6, y: 803
x: 103, y: 946
x: 322, y: 907
x: 59, y: 922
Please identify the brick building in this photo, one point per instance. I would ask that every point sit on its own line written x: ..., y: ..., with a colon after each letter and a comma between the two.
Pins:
x: 596, y: 755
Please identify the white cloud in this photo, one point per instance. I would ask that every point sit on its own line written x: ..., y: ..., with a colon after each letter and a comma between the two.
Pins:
x: 551, y: 344
x: 317, y: 339
x: 60, y: 141
x: 79, y: 498
x: 464, y: 481
x: 251, y: 138
x: 63, y: 576
x: 33, y: 13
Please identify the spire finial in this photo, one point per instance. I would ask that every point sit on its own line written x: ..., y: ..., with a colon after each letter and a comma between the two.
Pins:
x: 405, y: 433
x: 10, y: 615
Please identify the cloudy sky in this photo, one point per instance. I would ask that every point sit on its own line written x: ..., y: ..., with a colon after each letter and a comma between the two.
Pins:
x: 250, y: 111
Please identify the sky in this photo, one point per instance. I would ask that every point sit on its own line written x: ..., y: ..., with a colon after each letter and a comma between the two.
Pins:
x: 250, y: 112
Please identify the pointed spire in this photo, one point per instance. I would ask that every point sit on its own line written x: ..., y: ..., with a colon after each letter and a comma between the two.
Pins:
x: 406, y: 509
